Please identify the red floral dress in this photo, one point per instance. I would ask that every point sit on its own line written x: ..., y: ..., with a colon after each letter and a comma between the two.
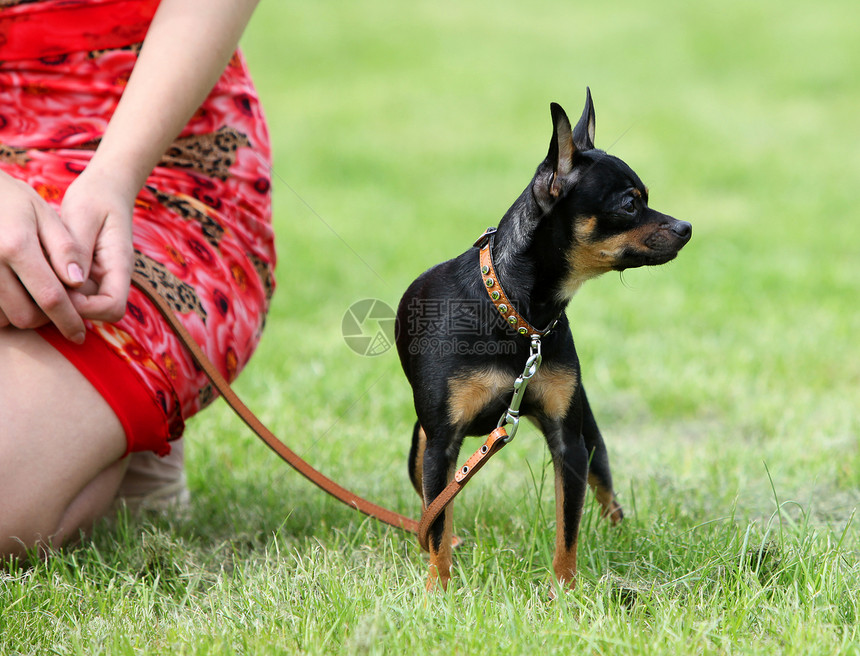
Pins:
x: 202, y: 223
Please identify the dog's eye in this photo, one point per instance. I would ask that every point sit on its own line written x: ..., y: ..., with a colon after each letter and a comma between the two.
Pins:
x: 628, y: 205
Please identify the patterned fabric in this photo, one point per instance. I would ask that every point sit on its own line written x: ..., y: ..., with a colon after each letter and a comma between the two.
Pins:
x: 44, y: 28
x: 202, y: 223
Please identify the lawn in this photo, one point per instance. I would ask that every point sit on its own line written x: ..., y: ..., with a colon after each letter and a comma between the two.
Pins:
x: 726, y: 383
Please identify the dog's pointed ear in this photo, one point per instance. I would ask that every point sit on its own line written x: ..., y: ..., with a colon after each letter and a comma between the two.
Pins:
x: 561, y: 148
x: 583, y: 133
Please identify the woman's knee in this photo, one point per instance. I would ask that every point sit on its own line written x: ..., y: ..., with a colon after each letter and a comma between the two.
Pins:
x: 57, y: 435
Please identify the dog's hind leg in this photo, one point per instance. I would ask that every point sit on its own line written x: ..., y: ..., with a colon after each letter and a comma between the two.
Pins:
x: 416, y: 459
x: 599, y: 475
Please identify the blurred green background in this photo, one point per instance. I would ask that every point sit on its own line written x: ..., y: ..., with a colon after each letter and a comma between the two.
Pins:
x: 402, y: 130
x: 726, y: 382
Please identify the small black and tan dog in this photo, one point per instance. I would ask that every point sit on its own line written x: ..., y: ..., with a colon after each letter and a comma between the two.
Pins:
x: 584, y: 213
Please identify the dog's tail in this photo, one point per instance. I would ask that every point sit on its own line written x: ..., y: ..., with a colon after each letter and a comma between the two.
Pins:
x: 416, y: 459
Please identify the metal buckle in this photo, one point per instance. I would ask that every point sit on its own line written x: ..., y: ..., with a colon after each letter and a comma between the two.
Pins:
x: 511, y: 417
x: 480, y: 241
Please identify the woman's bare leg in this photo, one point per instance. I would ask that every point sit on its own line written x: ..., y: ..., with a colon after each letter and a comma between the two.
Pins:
x: 60, y: 446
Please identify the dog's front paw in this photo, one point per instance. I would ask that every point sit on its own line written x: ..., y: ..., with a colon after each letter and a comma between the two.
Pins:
x: 560, y: 586
x: 437, y: 579
x: 614, y: 513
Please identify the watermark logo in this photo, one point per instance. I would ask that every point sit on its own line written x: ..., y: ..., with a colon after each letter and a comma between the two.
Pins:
x: 434, y: 327
x: 457, y: 346
x: 456, y: 326
x: 368, y: 327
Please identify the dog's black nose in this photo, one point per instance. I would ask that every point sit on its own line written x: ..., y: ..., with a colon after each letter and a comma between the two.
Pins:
x: 683, y: 229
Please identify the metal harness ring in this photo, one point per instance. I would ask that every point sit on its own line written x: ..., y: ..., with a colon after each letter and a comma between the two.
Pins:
x: 511, y: 417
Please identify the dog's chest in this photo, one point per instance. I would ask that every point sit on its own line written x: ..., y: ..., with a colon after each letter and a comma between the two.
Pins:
x: 549, y: 392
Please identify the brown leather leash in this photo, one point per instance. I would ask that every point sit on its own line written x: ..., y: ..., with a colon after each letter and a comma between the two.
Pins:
x: 497, y: 439
x: 288, y: 455
x: 422, y: 529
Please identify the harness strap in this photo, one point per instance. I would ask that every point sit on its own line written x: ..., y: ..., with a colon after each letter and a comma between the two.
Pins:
x: 514, y: 319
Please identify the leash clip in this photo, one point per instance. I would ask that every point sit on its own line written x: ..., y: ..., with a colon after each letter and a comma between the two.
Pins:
x: 511, y: 417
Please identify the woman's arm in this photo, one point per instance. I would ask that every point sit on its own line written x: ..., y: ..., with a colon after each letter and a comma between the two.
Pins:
x: 185, y: 51
x: 88, y: 247
x: 188, y: 45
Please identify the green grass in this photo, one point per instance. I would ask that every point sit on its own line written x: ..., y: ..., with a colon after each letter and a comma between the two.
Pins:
x: 726, y: 383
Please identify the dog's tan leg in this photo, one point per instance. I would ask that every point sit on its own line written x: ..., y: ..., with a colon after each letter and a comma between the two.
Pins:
x: 564, y: 559
x: 441, y: 551
x: 599, y: 475
x: 610, y: 508
x: 441, y: 558
x: 571, y: 484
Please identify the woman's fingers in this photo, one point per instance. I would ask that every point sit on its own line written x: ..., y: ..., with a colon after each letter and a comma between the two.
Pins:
x: 69, y: 257
x: 99, y: 218
x: 31, y: 294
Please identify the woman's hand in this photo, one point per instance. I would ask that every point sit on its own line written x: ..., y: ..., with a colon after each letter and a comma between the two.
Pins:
x: 77, y: 265
x: 65, y: 268
x: 40, y: 262
x: 97, y: 212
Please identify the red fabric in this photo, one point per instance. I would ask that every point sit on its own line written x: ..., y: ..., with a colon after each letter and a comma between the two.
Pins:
x: 202, y: 223
x: 73, y: 26
x: 140, y: 416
